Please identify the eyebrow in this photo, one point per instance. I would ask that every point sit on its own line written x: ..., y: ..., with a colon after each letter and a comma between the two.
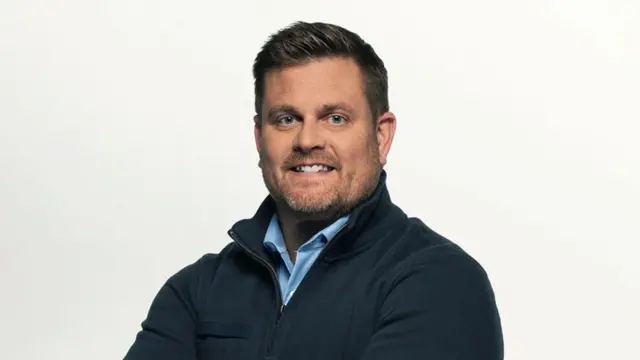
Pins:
x: 324, y: 109
x: 288, y: 109
x: 337, y: 107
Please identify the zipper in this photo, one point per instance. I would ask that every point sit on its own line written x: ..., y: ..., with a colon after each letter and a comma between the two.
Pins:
x: 274, y: 274
x: 272, y: 271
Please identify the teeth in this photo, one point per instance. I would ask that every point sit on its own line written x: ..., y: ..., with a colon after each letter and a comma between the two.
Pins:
x: 312, y: 168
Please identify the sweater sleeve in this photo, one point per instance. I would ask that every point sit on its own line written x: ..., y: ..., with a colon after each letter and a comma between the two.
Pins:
x: 441, y: 306
x: 169, y: 330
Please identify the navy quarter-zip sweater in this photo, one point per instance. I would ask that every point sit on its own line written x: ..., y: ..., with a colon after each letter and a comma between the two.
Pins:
x: 385, y: 288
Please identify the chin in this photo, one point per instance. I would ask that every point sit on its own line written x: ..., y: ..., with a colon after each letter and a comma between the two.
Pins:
x: 311, y: 201
x: 311, y: 208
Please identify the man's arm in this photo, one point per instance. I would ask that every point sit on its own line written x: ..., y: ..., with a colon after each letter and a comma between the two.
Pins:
x: 440, y: 307
x: 169, y: 331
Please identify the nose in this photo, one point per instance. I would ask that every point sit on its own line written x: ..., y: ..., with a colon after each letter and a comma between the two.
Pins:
x: 308, y: 138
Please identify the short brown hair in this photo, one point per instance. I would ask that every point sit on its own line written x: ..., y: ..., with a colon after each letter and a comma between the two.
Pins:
x: 301, y: 42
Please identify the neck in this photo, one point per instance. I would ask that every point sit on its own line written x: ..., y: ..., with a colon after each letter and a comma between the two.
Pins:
x: 299, y: 228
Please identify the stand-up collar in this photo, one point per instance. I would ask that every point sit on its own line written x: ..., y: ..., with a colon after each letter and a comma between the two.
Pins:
x: 369, y: 214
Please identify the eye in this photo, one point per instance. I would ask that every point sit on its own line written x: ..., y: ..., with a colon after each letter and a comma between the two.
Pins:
x: 337, y: 119
x: 286, y: 120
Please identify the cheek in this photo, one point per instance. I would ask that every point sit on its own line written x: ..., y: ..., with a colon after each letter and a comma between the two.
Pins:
x: 358, y: 155
x: 273, y: 153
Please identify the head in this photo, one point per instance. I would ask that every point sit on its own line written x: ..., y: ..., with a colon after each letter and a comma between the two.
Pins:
x: 323, y: 128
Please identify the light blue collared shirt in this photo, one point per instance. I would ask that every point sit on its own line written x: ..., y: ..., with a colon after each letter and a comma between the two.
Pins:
x: 289, y: 274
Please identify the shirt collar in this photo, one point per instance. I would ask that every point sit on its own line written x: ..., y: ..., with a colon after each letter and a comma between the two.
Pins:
x: 274, y: 239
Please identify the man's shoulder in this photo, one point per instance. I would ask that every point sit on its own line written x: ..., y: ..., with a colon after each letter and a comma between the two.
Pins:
x: 417, y: 240
x: 421, y: 247
x: 204, y: 268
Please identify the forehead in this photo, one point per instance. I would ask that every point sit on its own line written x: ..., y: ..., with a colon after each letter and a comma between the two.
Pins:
x: 318, y: 82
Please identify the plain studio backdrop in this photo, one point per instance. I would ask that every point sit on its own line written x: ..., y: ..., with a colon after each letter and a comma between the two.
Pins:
x: 126, y: 152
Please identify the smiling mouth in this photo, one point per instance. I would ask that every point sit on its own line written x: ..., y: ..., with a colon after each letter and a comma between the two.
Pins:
x: 316, y: 168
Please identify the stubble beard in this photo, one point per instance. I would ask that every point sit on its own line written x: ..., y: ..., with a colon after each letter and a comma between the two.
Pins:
x: 332, y: 202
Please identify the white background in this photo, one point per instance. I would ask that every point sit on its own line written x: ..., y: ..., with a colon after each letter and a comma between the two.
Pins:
x: 126, y: 152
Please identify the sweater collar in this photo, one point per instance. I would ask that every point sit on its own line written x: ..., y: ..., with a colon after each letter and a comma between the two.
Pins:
x: 368, y: 214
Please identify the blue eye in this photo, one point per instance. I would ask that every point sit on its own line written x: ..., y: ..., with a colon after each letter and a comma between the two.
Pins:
x: 286, y: 120
x: 337, y: 119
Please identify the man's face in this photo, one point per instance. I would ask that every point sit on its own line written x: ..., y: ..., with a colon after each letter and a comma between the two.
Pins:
x: 320, y: 150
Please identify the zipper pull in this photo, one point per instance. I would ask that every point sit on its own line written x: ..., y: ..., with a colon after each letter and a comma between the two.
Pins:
x: 281, y: 308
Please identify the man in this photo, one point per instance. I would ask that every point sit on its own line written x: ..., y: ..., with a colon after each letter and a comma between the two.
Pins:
x: 328, y: 267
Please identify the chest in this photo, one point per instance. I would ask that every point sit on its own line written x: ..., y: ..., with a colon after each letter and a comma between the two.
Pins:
x: 331, y: 315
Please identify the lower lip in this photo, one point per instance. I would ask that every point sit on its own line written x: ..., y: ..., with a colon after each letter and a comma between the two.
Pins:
x: 311, y: 174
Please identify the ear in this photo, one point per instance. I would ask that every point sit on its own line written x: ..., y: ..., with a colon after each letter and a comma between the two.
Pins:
x: 385, y: 130
x: 257, y: 132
